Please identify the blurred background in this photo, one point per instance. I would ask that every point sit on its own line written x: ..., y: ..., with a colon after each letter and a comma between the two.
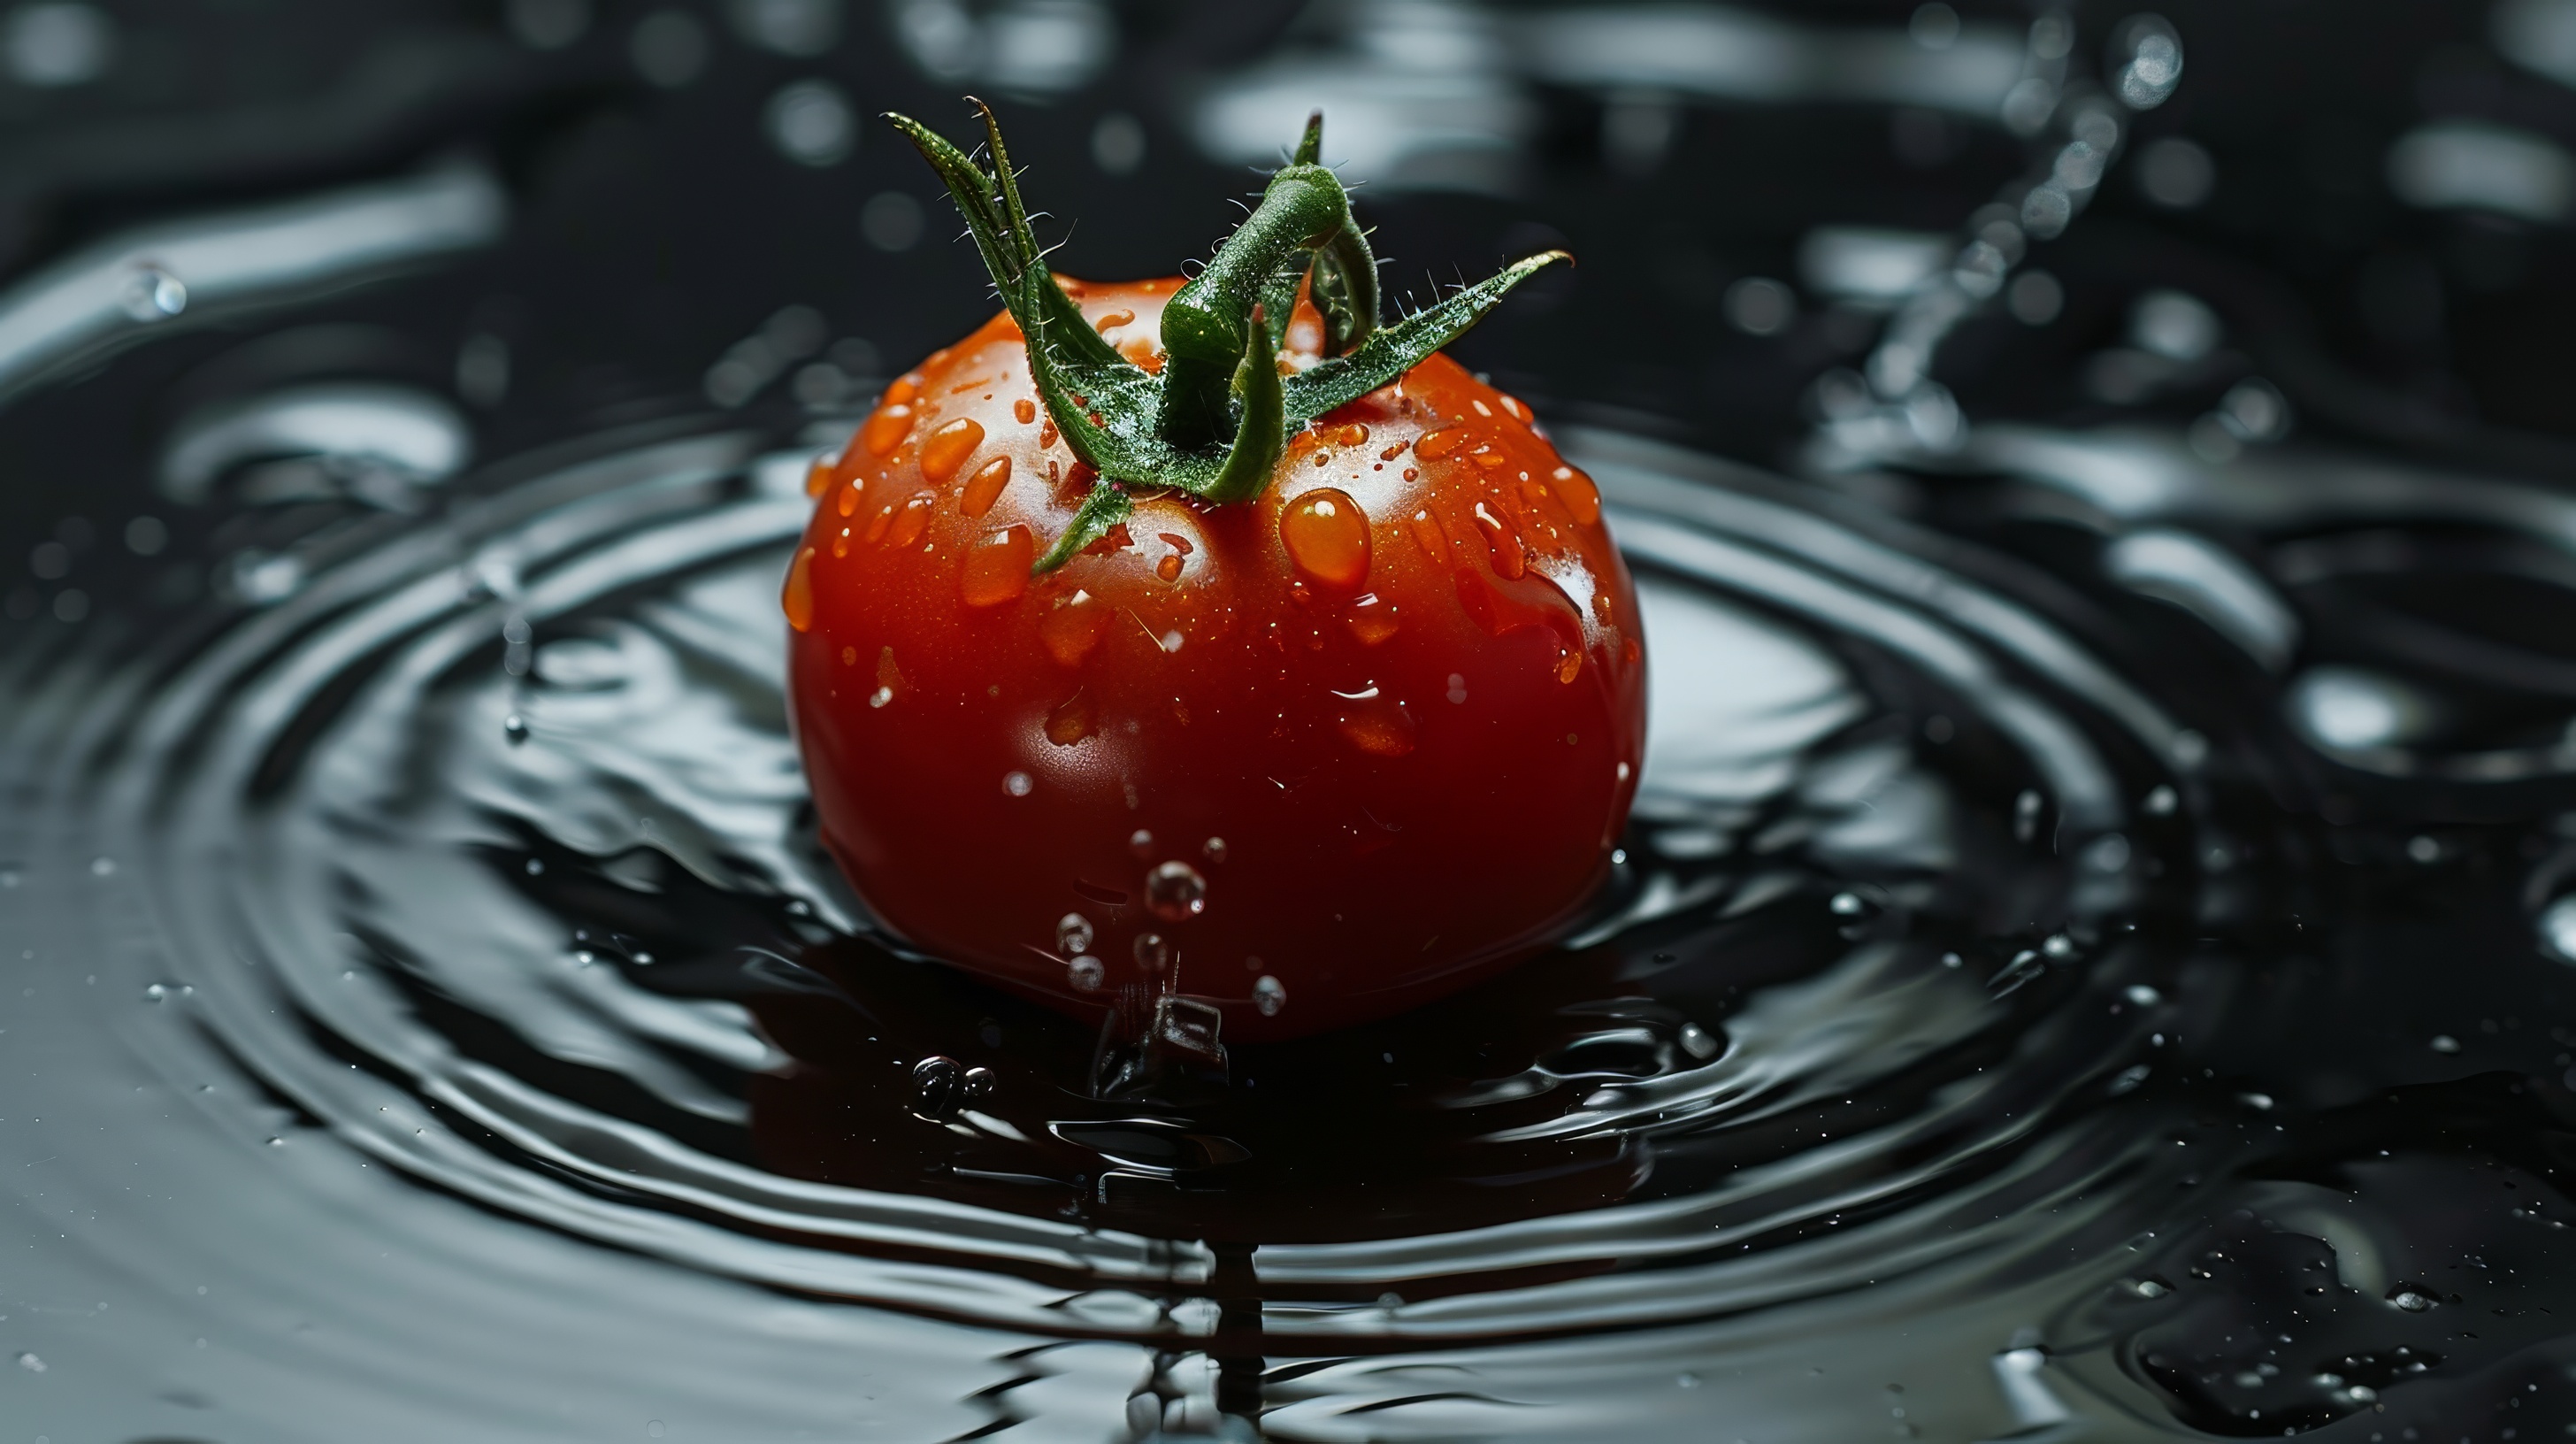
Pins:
x: 1835, y: 238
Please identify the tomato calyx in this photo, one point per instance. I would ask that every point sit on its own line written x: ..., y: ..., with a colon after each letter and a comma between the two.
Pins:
x: 1215, y: 421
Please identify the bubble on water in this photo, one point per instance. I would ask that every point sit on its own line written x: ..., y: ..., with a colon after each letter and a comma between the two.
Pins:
x: 1213, y: 850
x: 1269, y: 995
x: 1017, y: 783
x: 938, y: 1088
x: 1073, y: 934
x: 1152, y: 953
x: 1085, y: 973
x: 1175, y: 892
x: 515, y: 727
x: 2411, y: 1300
x: 979, y: 1083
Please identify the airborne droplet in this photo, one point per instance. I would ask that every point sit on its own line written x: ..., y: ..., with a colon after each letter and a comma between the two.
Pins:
x: 938, y: 1088
x: 515, y: 727
x: 1269, y: 996
x: 1175, y: 892
x: 1085, y: 973
x: 1073, y: 934
x: 1152, y: 953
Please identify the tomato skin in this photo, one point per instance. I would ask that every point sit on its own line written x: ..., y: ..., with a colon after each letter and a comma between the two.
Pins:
x: 1416, y: 749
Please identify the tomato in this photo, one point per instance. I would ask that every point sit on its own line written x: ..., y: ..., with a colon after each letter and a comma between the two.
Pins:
x: 1313, y: 757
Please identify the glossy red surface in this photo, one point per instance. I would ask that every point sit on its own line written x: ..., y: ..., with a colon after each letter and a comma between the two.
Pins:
x: 1394, y: 728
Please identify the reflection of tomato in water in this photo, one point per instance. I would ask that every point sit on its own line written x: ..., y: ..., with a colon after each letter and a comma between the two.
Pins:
x: 1312, y: 748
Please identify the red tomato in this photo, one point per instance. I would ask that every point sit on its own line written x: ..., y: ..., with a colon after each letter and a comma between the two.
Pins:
x: 1314, y: 758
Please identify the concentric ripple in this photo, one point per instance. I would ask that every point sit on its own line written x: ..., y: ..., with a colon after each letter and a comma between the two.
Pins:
x: 429, y: 963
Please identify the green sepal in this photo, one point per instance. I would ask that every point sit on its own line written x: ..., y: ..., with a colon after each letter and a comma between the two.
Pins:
x: 1204, y: 321
x: 1399, y: 348
x: 1108, y: 504
x: 1261, y: 431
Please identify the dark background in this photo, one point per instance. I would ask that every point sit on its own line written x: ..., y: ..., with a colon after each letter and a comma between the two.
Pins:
x: 659, y: 217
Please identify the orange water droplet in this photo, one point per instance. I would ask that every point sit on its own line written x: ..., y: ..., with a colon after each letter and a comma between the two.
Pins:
x: 1112, y: 321
x: 1481, y: 408
x: 904, y: 389
x: 1488, y: 459
x: 948, y: 447
x: 877, y: 524
x: 1569, y: 664
x: 1072, y: 627
x: 848, y: 501
x: 1141, y: 352
x: 1601, y: 607
x: 1440, y: 443
x: 910, y: 522
x: 1372, y: 619
x: 985, y: 486
x: 1411, y: 475
x: 886, y: 430
x: 1428, y: 536
x: 1392, y: 452
x: 1024, y: 411
x: 1113, y: 541
x: 1501, y: 607
x: 1513, y: 405
x: 1581, y: 497
x: 1047, y: 434
x: 1169, y: 568
x: 818, y: 477
x: 1629, y: 652
x: 1374, y: 723
x: 797, y: 600
x: 1072, y: 719
x: 1349, y: 433
x: 1510, y: 560
x: 841, y: 543
x: 1327, y: 538
x: 997, y: 567
x: 1322, y: 457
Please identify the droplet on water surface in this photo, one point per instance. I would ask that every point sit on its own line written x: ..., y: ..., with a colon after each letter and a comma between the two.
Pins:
x: 1175, y: 892
x: 1269, y: 996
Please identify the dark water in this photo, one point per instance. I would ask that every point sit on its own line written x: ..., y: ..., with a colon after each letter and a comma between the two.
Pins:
x: 2029, y: 1007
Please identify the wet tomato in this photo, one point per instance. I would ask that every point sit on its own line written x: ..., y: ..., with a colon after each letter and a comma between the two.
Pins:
x: 1312, y: 756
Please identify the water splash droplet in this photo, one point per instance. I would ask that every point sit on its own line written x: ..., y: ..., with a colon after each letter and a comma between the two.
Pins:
x: 1269, y: 995
x: 1141, y: 843
x: 1017, y: 783
x: 1327, y: 538
x: 938, y: 1088
x: 1152, y: 952
x: 1175, y: 892
x: 1073, y: 934
x: 2411, y: 1300
x: 1085, y: 973
x: 1213, y: 850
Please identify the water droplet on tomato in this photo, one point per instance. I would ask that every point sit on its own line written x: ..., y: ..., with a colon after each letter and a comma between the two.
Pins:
x: 1085, y: 973
x: 1175, y: 892
x: 1072, y: 627
x: 886, y: 430
x: 985, y: 486
x: 1169, y: 568
x: 1024, y: 411
x: 1374, y: 723
x: 1510, y: 561
x: 1112, y: 321
x: 1017, y: 783
x: 1213, y: 850
x: 1349, y: 433
x: 1269, y: 995
x: 1581, y: 497
x: 1073, y: 719
x: 906, y: 387
x: 1152, y: 953
x: 797, y: 600
x: 910, y: 522
x: 818, y: 477
x: 947, y: 449
x: 1457, y: 687
x: 1440, y: 443
x: 997, y: 568
x: 1141, y: 843
x: 1327, y: 539
x: 1372, y: 619
x: 1073, y: 934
